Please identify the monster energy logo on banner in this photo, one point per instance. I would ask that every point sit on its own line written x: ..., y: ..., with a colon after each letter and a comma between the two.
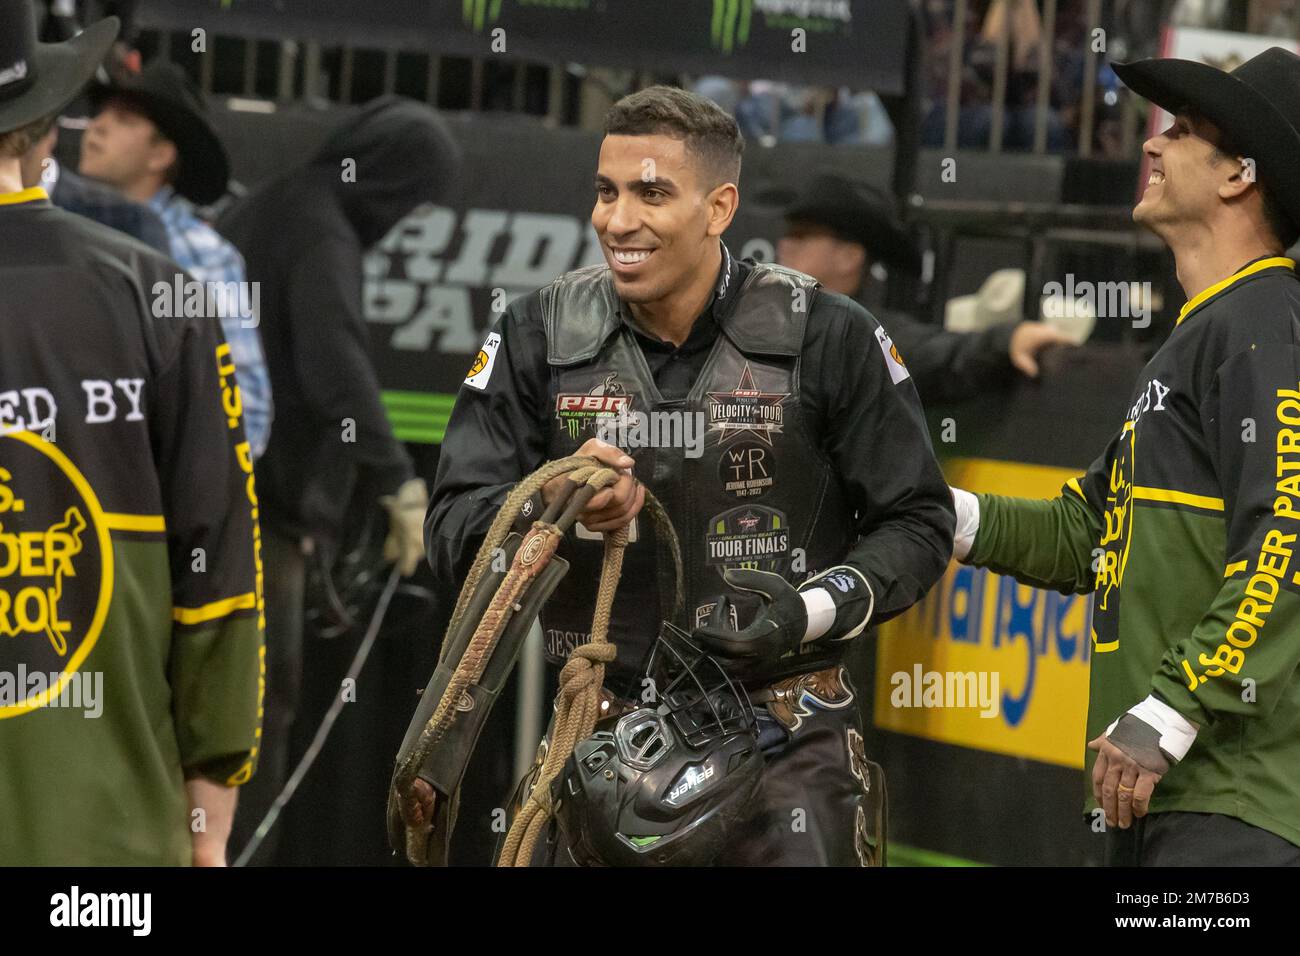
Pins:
x: 478, y: 13
x: 731, y: 18
x: 731, y: 23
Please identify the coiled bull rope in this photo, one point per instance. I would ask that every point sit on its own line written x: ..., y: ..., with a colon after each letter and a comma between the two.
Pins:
x: 577, y: 703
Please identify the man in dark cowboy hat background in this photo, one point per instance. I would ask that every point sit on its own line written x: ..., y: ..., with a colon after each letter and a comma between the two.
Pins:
x: 129, y: 667
x: 838, y: 227
x: 805, y: 504
x: 151, y: 140
x: 1187, y: 527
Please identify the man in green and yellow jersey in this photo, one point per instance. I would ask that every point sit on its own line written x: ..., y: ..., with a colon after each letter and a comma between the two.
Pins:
x: 1187, y: 527
x: 130, y: 581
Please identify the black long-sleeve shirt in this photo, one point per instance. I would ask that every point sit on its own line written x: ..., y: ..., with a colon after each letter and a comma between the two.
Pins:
x: 871, y: 429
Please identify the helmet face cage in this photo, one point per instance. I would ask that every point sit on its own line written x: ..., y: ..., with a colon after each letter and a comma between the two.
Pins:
x: 665, y: 783
x: 692, y: 690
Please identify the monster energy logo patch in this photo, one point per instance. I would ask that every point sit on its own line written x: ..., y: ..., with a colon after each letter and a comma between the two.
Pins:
x: 748, y: 537
x: 730, y: 26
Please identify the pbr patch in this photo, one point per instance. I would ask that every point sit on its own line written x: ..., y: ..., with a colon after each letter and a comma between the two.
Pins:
x: 747, y: 408
x: 582, y: 412
x: 56, y: 571
x: 747, y: 537
x: 481, y: 371
x: 897, y: 369
x: 747, y: 470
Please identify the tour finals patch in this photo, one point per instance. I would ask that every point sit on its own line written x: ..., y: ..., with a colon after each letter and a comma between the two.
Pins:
x: 56, y: 570
x: 747, y: 537
x: 747, y: 408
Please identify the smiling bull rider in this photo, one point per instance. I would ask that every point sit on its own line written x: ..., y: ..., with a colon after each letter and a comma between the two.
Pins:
x: 810, y: 504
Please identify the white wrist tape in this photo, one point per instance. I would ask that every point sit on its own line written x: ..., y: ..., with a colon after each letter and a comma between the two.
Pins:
x: 968, y: 522
x: 822, y: 608
x: 821, y: 612
x: 1177, y: 733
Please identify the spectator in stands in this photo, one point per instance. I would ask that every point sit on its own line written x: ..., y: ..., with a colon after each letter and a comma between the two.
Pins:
x: 838, y: 227
x: 86, y: 198
x: 983, y: 30
x: 151, y: 140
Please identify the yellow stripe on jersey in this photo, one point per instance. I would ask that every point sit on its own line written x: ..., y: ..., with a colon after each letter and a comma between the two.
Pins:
x: 23, y: 195
x: 214, y: 611
x: 126, y: 522
x: 1177, y: 497
x: 1270, y: 263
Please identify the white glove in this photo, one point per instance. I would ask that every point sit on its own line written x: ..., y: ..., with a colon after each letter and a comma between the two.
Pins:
x: 968, y: 522
x: 404, y: 545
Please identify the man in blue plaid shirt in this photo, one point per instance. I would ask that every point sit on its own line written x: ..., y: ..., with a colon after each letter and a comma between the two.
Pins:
x: 151, y: 140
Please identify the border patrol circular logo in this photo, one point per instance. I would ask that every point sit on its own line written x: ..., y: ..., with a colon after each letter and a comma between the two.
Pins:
x: 56, y: 571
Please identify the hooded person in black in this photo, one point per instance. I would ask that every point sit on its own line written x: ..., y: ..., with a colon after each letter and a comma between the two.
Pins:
x: 303, y: 236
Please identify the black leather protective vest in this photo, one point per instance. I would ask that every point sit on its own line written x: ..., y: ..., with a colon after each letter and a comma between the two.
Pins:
x: 751, y: 487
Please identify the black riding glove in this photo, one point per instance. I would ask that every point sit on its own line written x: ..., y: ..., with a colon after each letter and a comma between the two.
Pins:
x: 841, y: 596
x: 778, y: 627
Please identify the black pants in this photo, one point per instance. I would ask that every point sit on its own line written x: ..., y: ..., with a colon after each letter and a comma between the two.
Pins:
x: 815, y: 806
x: 820, y: 801
x: 1181, y: 838
x: 285, y: 576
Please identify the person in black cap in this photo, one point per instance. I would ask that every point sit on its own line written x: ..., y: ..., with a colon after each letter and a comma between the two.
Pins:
x: 87, y: 198
x: 130, y: 589
x: 838, y: 227
x: 1187, y: 526
x: 151, y: 140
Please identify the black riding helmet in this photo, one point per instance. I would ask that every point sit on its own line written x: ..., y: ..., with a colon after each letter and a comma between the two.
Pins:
x: 666, y: 784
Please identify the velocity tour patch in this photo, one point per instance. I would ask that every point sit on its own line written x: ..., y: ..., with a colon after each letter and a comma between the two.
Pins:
x: 747, y: 408
x: 481, y: 371
x: 897, y: 369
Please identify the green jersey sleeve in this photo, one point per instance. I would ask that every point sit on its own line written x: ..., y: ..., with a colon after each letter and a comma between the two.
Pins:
x: 1048, y: 543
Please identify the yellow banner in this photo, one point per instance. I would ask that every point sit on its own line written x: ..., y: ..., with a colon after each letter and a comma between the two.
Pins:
x: 985, y: 662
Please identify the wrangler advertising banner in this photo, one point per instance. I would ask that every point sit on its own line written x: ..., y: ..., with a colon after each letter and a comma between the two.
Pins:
x: 986, y: 662
x: 859, y: 43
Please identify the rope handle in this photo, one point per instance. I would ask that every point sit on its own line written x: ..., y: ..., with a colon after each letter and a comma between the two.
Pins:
x: 581, y: 677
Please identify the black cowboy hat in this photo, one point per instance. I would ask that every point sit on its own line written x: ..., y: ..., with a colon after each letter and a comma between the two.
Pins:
x: 39, y: 79
x: 1256, y: 106
x: 165, y: 94
x: 858, y: 212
